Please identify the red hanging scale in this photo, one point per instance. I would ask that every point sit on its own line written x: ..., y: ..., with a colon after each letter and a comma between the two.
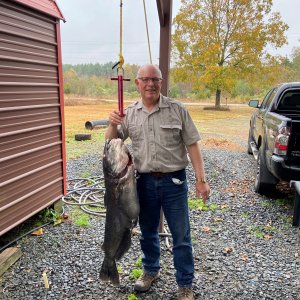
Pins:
x: 120, y: 70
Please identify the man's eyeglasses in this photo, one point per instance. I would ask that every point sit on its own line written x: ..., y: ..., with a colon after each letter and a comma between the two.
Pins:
x: 155, y: 80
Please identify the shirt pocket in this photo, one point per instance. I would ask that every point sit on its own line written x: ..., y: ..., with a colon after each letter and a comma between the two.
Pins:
x: 170, y: 134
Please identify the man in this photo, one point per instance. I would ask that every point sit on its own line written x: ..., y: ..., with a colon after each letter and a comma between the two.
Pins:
x: 161, y: 130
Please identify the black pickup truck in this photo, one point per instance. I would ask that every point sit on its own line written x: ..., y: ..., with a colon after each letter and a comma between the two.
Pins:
x: 274, y: 137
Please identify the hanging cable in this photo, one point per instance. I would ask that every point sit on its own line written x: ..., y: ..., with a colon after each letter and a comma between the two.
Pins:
x: 120, y: 71
x: 121, y: 58
x: 145, y: 13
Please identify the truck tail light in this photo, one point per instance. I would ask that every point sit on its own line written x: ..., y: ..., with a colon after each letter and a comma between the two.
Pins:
x: 282, y: 140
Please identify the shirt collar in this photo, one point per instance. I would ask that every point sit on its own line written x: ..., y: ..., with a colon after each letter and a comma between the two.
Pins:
x: 162, y: 102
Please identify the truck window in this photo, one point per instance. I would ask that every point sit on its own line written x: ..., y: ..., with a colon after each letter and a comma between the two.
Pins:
x: 268, y: 99
x: 290, y: 101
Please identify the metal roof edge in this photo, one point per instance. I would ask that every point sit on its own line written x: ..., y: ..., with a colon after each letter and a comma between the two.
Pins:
x: 49, y: 7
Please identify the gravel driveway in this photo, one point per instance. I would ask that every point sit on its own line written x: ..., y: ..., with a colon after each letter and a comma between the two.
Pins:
x: 245, y: 246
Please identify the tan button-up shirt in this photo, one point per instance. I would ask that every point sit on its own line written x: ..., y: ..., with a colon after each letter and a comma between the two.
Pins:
x: 159, y: 138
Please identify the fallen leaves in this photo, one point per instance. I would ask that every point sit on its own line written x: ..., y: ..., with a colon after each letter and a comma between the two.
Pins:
x: 222, y: 144
x: 206, y: 229
x: 224, y: 206
x: 227, y: 250
x: 46, y: 281
x: 218, y: 219
x: 245, y: 258
x: 268, y: 236
x: 38, y: 232
x: 237, y: 187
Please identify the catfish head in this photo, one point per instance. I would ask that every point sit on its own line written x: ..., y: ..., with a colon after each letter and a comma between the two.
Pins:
x: 116, y: 158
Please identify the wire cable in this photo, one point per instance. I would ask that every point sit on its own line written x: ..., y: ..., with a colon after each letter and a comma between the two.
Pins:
x: 147, y: 30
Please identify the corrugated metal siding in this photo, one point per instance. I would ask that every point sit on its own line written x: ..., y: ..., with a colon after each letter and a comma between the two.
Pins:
x: 47, y: 6
x: 31, y: 147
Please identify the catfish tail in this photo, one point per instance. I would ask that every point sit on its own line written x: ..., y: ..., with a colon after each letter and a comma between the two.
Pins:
x: 109, y: 271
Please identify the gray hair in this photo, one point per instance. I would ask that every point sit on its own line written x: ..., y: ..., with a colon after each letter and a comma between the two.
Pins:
x: 149, y: 66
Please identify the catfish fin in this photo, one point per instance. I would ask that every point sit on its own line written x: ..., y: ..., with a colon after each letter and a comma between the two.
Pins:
x: 109, y: 271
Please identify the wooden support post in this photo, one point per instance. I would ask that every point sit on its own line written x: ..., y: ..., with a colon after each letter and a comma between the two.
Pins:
x: 164, y: 9
x: 8, y: 257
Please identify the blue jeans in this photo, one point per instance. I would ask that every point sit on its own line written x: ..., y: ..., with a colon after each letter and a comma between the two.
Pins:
x: 170, y: 193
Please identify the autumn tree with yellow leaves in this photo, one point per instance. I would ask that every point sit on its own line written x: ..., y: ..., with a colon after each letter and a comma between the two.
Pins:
x: 218, y: 41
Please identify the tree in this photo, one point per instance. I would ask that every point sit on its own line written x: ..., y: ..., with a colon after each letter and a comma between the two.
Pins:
x: 295, y: 64
x: 218, y: 41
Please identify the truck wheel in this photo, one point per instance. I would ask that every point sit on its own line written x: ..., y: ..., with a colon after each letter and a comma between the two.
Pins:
x: 265, y: 182
x: 250, y: 139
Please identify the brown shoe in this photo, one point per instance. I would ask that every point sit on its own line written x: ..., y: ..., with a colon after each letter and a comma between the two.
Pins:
x: 185, y: 293
x: 143, y: 284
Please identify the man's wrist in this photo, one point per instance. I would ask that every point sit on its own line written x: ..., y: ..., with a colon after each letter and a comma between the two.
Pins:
x: 201, y: 179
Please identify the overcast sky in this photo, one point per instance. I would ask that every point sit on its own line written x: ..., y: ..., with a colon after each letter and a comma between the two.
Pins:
x: 91, y: 31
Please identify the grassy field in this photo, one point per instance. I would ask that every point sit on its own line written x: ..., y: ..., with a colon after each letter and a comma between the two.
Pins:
x: 226, y: 129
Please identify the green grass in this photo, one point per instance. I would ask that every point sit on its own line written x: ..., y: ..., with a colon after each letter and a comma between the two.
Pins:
x: 266, y: 203
x: 132, y: 297
x: 135, y: 274
x: 278, y: 202
x: 283, y: 202
x: 138, y: 262
x: 45, y: 216
x: 197, y: 203
x: 80, y: 218
x: 194, y: 239
x: 76, y: 149
x: 214, y: 174
x: 261, y: 231
x: 245, y: 215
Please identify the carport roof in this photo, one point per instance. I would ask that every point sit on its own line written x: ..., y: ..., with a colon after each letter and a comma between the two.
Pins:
x: 49, y: 7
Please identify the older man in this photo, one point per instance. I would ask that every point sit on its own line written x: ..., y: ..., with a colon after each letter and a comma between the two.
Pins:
x: 162, y: 132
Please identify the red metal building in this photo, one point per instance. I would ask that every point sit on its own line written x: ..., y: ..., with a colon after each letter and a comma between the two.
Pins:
x: 32, y: 148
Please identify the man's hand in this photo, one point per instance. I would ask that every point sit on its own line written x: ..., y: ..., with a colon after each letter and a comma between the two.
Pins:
x: 115, y: 118
x: 203, y: 190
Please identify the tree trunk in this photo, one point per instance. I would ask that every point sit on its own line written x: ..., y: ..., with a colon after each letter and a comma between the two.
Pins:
x: 218, y: 98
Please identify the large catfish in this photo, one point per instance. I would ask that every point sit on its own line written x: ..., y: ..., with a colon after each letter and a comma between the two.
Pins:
x: 122, y: 206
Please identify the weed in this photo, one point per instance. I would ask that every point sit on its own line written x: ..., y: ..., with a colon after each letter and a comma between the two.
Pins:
x: 261, y: 231
x: 245, y: 215
x: 47, y: 215
x: 132, y: 297
x: 283, y: 202
x: 135, y: 274
x: 80, y: 218
x: 258, y: 234
x: 197, y: 203
x: 86, y: 174
x: 266, y: 203
x: 213, y: 206
x: 287, y: 223
x: 119, y: 269
x: 138, y: 262
x: 83, y: 221
x: 214, y: 174
x: 194, y: 239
